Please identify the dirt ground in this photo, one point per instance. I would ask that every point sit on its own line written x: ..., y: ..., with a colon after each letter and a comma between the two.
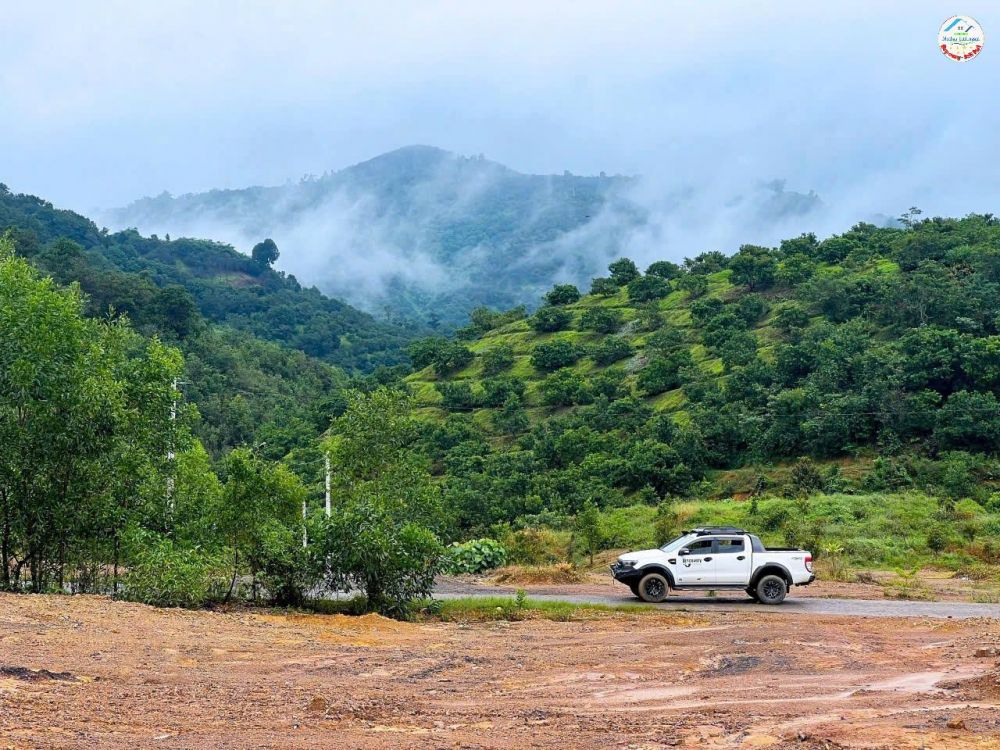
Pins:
x: 86, y: 672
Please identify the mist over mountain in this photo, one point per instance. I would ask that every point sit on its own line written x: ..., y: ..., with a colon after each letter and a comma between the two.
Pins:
x: 426, y: 234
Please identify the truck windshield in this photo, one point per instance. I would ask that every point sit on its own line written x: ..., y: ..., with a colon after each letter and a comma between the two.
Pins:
x: 675, y: 544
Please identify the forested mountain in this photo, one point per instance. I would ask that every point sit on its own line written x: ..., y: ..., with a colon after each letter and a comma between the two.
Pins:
x: 126, y: 271
x: 875, y: 353
x: 260, y: 350
x: 426, y: 234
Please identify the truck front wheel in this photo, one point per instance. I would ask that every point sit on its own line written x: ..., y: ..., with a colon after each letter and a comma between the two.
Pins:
x: 653, y: 588
x: 771, y: 589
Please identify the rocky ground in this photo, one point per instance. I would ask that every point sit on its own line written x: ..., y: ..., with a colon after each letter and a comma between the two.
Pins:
x: 85, y: 672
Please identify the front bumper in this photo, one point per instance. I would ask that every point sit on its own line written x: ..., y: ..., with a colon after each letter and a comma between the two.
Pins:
x: 625, y: 574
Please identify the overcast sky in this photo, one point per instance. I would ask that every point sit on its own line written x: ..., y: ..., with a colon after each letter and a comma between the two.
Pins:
x: 103, y: 102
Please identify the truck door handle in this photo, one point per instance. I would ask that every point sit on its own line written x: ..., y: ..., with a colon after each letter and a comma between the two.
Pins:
x: 672, y: 561
x: 708, y: 559
x: 741, y: 557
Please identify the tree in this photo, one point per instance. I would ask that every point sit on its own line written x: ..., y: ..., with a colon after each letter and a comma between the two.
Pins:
x: 260, y: 511
x: 562, y: 294
x: 511, y: 418
x: 753, y: 266
x: 610, y: 350
x: 382, y: 536
x: 623, y: 271
x: 603, y: 286
x: 694, y: 284
x: 664, y: 269
x: 265, y: 253
x: 548, y: 319
x: 601, y: 319
x: 174, y: 310
x: 662, y: 373
x: 552, y: 355
x: 646, y: 288
x: 497, y: 359
x: 84, y: 430
x: 588, y: 528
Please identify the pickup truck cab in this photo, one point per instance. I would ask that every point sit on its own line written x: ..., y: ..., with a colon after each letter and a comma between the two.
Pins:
x: 715, y: 558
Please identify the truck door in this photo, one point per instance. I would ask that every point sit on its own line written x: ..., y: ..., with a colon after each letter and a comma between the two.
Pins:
x: 732, y: 561
x: 696, y: 568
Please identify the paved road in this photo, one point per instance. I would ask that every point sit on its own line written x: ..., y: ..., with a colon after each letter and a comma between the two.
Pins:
x: 730, y: 603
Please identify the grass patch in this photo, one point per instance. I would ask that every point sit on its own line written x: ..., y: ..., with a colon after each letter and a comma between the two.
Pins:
x: 520, y: 607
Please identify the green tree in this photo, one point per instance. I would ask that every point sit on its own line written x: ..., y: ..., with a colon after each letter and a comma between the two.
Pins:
x: 551, y: 355
x: 265, y: 253
x: 588, y: 529
x: 562, y: 294
x: 497, y: 359
x: 382, y: 537
x: 261, y: 500
x: 623, y: 271
x: 601, y: 320
x: 664, y: 269
x: 603, y: 286
x: 647, y: 288
x: 547, y: 319
x: 753, y: 266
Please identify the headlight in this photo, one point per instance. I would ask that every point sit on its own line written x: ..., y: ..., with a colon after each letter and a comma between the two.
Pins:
x: 625, y: 564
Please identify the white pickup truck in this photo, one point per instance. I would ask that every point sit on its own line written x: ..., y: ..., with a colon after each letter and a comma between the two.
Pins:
x: 715, y: 558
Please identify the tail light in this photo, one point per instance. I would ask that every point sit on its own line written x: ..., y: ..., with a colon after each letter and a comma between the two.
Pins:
x: 809, y: 563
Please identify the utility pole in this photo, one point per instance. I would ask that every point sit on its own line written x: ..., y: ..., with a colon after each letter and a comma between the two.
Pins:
x: 305, y: 534
x: 171, y: 454
x: 328, y: 508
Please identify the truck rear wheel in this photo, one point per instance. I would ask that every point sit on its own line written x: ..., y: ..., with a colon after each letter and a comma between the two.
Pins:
x: 653, y: 588
x: 771, y: 589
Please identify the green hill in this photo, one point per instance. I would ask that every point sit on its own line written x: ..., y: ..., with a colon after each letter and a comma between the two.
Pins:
x: 873, y: 355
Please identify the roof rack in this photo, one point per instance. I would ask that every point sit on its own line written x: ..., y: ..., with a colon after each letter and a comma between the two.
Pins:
x: 706, y: 530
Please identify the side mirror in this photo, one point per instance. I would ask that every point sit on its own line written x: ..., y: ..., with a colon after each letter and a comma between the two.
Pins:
x: 684, y: 551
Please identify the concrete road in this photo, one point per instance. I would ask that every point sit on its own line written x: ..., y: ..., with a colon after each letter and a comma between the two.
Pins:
x: 727, y: 601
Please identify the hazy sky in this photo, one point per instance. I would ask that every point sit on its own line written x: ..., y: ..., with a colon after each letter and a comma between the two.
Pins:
x: 103, y: 102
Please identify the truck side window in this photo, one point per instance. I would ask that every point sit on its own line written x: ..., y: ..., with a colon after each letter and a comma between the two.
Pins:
x: 730, y: 545
x: 700, y: 547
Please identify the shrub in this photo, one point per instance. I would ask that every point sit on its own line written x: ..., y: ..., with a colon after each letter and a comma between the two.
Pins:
x: 475, y: 556
x: 166, y: 575
x: 536, y: 546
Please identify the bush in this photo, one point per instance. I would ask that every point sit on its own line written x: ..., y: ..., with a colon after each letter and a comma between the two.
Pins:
x: 166, y: 575
x: 565, y: 388
x: 548, y: 319
x: 475, y: 556
x: 496, y: 391
x: 536, y: 546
